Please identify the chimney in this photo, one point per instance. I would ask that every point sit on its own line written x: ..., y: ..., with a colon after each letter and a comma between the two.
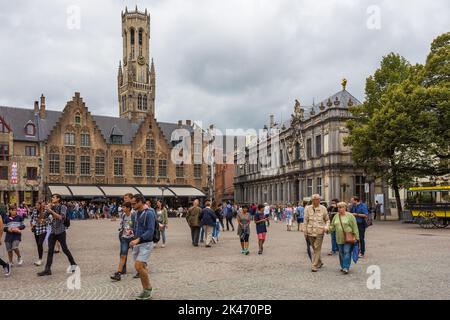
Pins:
x: 42, y: 109
x: 188, y: 123
x: 36, y: 107
x: 272, y: 121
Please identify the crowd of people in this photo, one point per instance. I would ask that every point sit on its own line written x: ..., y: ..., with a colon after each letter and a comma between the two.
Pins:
x: 143, y: 224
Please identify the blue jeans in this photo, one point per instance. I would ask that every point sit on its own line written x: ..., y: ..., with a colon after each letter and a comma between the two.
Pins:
x: 202, y: 233
x: 216, y: 230
x: 334, y: 245
x: 345, y: 255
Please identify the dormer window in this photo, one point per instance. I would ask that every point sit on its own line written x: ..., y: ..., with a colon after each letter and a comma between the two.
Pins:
x: 116, y: 139
x: 116, y: 135
x: 30, y: 130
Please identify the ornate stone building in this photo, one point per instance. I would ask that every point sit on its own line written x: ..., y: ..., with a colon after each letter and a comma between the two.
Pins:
x: 303, y: 156
x: 81, y: 155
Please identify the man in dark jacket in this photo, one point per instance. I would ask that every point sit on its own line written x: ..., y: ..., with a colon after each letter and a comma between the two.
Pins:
x: 144, y: 228
x: 193, y: 220
x: 208, y: 220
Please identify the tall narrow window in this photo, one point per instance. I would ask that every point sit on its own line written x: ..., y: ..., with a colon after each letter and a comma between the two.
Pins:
x: 140, y: 37
x: 77, y: 119
x: 85, y: 140
x: 137, y: 167
x: 132, y: 43
x: 140, y: 102
x: 100, y: 166
x: 124, y: 103
x: 150, y: 145
x: 197, y: 171
x: 69, y: 139
x: 297, y: 151
x: 85, y: 165
x: 309, y: 187
x: 118, y: 167
x: 309, y: 148
x: 54, y: 163
x: 4, y: 173
x: 318, y: 146
x: 319, y: 186
x: 144, y: 102
x: 151, y: 170
x: 180, y: 170
x: 70, y: 164
x: 162, y: 168
x: 4, y: 152
x: 360, y: 182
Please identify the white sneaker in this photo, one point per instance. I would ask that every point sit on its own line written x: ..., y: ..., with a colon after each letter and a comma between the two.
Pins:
x: 38, y: 263
x: 73, y: 268
x: 163, y: 246
x: 7, y: 270
x: 214, y: 240
x: 19, y: 261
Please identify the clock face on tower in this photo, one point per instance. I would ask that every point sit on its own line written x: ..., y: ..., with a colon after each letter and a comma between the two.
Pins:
x: 141, y: 60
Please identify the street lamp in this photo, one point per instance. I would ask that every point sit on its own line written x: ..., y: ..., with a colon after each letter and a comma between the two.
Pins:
x: 162, y: 188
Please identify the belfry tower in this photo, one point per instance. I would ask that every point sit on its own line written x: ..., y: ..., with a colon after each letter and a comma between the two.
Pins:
x: 136, y: 76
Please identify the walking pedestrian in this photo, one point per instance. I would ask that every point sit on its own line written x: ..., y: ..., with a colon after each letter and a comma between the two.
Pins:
x: 261, y: 228
x: 144, y: 221
x: 344, y: 222
x: 193, y: 220
x: 208, y: 221
x: 218, y: 212
x: 163, y: 221
x: 317, y: 222
x: 300, y: 210
x: 228, y: 212
x: 332, y: 211
x: 126, y: 235
x: 243, y: 220
x: 288, y: 212
x: 57, y: 214
x: 13, y: 228
x: 39, y: 224
x: 361, y: 213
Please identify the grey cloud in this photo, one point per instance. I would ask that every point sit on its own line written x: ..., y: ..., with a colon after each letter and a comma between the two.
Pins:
x: 231, y: 63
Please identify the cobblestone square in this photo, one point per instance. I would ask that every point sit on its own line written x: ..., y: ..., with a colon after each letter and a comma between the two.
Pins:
x: 413, y: 263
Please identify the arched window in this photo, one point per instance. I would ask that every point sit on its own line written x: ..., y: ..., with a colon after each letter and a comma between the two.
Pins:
x: 124, y: 103
x: 140, y: 37
x: 145, y: 102
x: 139, y: 102
x: 132, y: 43
x: 77, y: 119
x: 30, y: 130
x: 132, y: 37
x: 297, y: 151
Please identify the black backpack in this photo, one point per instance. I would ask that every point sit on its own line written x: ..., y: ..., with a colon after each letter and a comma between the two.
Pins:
x: 67, y: 219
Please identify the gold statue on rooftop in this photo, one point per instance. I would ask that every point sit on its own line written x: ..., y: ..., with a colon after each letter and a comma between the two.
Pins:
x: 344, y: 83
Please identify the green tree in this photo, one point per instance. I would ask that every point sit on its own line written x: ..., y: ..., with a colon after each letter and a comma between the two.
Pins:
x: 402, y: 130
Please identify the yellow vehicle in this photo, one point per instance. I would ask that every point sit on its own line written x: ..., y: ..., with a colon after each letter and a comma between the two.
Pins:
x: 430, y: 206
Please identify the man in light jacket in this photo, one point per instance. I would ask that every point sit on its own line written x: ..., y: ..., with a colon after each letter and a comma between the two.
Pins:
x: 316, y: 224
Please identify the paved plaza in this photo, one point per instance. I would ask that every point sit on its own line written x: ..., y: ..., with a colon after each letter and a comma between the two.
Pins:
x: 414, y: 264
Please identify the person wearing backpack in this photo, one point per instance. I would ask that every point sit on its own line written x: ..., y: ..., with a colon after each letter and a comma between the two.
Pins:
x: 59, y: 223
x: 146, y: 233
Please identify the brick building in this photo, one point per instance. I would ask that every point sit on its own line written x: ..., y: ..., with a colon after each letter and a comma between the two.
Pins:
x: 80, y: 155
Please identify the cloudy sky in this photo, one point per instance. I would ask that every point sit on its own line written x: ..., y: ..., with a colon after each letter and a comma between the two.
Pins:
x: 228, y: 62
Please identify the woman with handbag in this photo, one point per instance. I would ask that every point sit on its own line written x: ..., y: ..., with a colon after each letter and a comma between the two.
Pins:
x: 347, y: 234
